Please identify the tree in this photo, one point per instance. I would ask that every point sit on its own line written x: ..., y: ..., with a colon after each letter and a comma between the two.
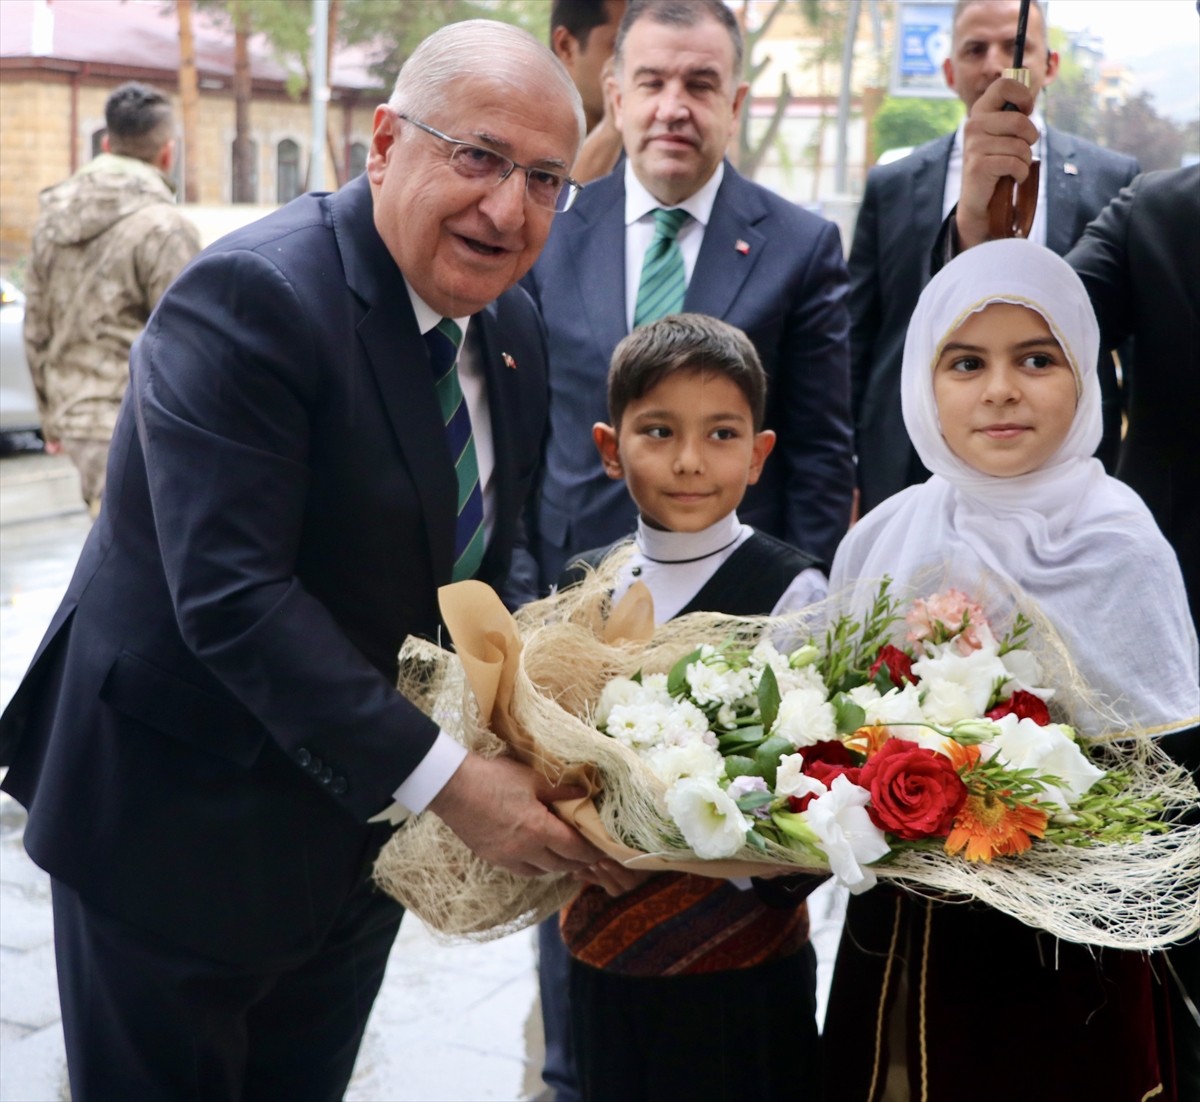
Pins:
x: 750, y: 153
x: 911, y: 120
x: 189, y: 98
x: 1136, y: 128
x: 1070, y: 102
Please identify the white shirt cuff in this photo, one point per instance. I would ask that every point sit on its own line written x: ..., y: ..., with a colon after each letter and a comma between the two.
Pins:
x: 430, y: 776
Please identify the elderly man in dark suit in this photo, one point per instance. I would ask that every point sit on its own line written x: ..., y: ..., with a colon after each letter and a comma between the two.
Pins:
x: 903, y: 207
x: 210, y: 723
x: 739, y: 253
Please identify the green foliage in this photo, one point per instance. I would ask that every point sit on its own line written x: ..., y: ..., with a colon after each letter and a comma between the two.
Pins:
x: 910, y: 121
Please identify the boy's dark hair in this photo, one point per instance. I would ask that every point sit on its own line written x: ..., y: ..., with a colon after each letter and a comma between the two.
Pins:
x: 681, y: 13
x: 684, y: 342
x: 140, y: 121
x: 579, y: 17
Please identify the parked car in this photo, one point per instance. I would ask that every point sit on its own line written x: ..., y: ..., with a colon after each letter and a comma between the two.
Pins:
x: 18, y: 402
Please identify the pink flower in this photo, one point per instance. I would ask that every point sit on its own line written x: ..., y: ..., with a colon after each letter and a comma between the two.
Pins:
x: 945, y: 616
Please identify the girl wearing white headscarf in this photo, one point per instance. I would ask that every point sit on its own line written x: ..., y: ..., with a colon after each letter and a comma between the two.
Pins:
x: 948, y: 1002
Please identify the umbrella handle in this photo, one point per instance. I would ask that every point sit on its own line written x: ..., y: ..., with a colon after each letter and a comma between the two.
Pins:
x: 1013, y: 205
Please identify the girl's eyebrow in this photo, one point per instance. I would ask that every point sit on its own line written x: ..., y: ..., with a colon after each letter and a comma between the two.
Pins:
x: 959, y: 346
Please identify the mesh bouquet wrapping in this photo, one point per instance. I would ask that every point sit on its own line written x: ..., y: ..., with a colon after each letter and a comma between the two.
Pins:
x: 527, y: 686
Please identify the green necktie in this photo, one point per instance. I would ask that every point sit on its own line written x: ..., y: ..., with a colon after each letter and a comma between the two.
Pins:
x: 443, y: 342
x: 662, y: 286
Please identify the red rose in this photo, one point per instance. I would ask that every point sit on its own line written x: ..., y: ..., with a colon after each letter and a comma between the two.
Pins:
x: 915, y: 793
x: 899, y: 666
x: 1023, y: 705
x: 824, y: 761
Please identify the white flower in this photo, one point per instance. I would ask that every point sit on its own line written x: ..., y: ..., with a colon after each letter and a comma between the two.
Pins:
x: 711, y: 822
x: 656, y: 684
x: 1022, y: 744
x: 682, y: 723
x: 639, y: 725
x: 727, y: 716
x: 805, y: 717
x: 620, y: 690
x: 787, y: 677
x: 791, y: 780
x: 710, y: 683
x: 846, y: 834
x: 673, y: 763
x: 958, y: 686
x: 1024, y: 672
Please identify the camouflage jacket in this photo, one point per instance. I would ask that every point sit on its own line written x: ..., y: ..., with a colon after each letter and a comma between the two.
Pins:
x: 107, y: 243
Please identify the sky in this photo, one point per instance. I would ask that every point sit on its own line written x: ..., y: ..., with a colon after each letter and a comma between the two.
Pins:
x: 1158, y: 39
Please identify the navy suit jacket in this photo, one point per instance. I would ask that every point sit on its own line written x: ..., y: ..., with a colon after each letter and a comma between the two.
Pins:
x: 211, y: 718
x: 898, y: 223
x: 766, y: 266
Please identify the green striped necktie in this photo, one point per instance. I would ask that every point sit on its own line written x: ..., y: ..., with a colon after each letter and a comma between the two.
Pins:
x: 662, y: 285
x: 443, y: 342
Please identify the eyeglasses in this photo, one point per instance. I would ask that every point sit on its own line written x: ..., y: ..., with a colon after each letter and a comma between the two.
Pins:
x: 550, y: 190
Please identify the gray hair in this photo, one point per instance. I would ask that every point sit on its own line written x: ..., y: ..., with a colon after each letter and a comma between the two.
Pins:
x: 477, y: 47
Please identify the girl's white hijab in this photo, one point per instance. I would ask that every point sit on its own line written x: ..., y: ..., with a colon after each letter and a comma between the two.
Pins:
x: 1026, y: 275
x: 1081, y: 544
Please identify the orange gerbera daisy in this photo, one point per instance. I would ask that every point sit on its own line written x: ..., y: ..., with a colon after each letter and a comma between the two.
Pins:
x: 988, y: 828
x: 868, y: 740
x: 961, y: 755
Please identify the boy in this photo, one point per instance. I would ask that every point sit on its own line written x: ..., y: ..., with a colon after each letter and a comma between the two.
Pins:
x: 688, y: 986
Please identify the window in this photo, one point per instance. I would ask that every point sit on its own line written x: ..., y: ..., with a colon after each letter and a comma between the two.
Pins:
x: 287, y: 173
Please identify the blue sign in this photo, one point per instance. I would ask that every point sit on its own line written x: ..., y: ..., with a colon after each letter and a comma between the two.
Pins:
x: 923, y: 31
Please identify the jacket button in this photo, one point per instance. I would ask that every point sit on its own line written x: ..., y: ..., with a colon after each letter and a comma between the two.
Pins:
x: 338, y: 787
x: 303, y: 757
x: 314, y: 766
x: 326, y: 775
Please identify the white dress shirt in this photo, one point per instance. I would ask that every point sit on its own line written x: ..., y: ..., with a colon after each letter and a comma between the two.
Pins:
x: 640, y: 206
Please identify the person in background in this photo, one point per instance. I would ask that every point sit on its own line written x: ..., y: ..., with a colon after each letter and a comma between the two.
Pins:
x: 210, y: 732
x: 107, y: 243
x: 582, y: 34
x: 903, y: 207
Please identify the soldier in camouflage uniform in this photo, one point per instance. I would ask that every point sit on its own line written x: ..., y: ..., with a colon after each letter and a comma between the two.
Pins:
x: 107, y: 243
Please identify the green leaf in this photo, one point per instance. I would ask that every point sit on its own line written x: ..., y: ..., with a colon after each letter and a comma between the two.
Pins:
x: 738, y: 765
x: 848, y: 716
x: 754, y: 800
x: 766, y: 757
x: 768, y: 697
x: 677, y: 678
x: 756, y: 841
x: 883, y: 680
x: 745, y: 738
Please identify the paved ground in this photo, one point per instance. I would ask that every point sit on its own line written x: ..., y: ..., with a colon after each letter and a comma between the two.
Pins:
x: 451, y: 1023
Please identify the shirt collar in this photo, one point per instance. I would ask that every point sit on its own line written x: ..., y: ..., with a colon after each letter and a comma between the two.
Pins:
x: 639, y: 202
x: 427, y: 316
x: 660, y: 546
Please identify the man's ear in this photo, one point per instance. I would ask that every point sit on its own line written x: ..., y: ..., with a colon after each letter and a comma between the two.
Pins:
x: 764, y: 444
x: 565, y: 46
x: 383, y: 137
x: 1051, y: 68
x: 948, y: 73
x: 607, y: 445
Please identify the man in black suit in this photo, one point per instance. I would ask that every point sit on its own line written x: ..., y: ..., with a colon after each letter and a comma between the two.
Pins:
x: 748, y: 257
x: 211, y: 723
x: 903, y: 207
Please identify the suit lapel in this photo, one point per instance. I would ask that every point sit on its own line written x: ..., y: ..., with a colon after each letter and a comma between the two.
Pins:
x: 1062, y: 190
x: 399, y: 362
x: 928, y: 195
x: 597, y: 239
x: 730, y: 249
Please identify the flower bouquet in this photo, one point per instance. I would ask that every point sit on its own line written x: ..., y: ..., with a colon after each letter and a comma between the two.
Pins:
x: 918, y: 742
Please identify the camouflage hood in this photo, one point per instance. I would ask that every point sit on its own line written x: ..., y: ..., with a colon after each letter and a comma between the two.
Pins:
x: 106, y: 190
